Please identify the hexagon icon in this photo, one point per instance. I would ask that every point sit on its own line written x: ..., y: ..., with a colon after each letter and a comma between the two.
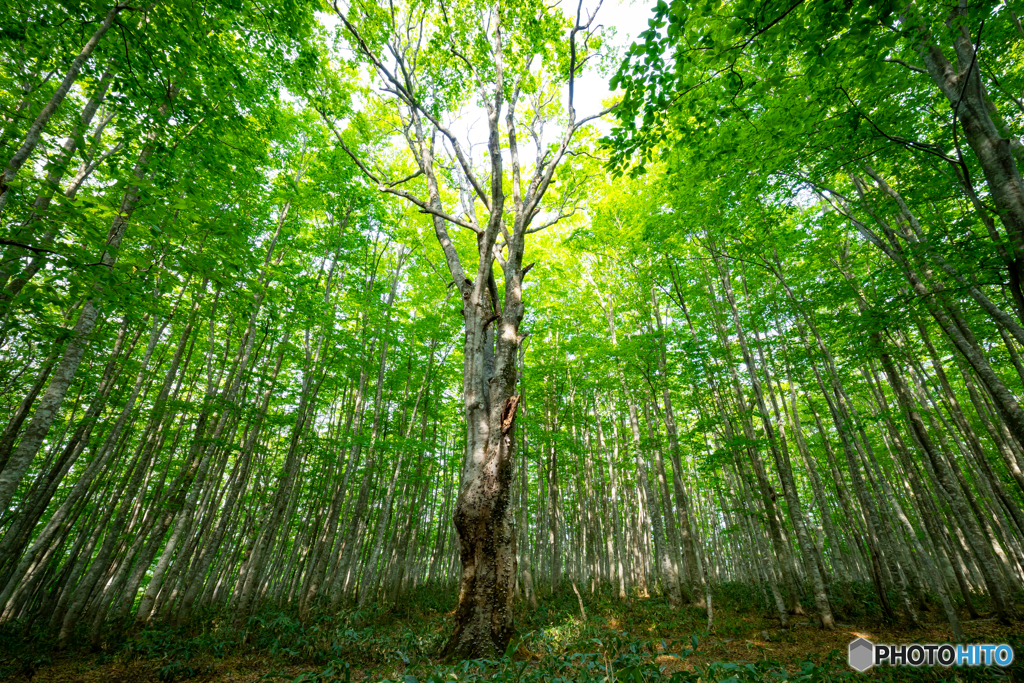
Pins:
x: 862, y: 654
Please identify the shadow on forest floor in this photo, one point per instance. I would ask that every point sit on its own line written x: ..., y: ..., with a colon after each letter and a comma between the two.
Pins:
x: 638, y: 641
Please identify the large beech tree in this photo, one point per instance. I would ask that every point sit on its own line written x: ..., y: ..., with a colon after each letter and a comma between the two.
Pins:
x: 433, y: 64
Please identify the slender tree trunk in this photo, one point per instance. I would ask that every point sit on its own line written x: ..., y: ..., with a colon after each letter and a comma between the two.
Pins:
x: 53, y: 397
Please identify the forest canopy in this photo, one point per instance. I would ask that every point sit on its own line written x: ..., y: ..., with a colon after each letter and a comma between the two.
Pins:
x: 316, y: 314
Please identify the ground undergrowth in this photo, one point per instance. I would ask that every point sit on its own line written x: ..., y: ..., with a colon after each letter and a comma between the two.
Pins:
x: 639, y: 641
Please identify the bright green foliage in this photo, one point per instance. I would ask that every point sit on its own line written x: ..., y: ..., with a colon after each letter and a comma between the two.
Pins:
x: 786, y: 263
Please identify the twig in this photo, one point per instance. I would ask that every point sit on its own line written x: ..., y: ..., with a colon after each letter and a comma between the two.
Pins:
x: 576, y: 590
x: 909, y: 66
x: 37, y: 250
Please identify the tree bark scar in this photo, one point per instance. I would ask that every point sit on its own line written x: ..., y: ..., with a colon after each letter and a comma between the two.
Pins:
x: 508, y: 413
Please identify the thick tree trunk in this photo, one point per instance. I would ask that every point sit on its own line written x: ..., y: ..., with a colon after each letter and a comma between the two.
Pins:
x: 483, y: 515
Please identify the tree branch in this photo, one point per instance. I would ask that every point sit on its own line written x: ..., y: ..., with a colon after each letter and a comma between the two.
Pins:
x: 390, y: 187
x: 35, y: 250
x: 909, y: 66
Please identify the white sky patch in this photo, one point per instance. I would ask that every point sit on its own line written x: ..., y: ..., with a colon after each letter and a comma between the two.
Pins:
x: 628, y: 18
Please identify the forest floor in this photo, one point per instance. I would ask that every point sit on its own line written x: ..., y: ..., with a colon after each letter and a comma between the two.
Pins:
x: 642, y: 640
